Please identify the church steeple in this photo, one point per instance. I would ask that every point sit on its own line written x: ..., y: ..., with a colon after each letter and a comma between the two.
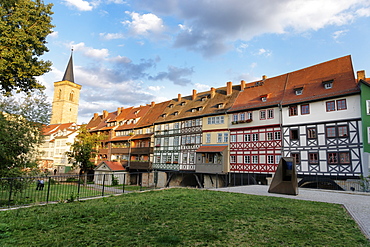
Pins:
x: 66, y: 98
x: 68, y: 74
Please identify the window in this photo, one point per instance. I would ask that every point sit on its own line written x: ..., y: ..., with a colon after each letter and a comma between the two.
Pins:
x: 277, y: 159
x: 219, y: 137
x: 208, y: 138
x: 169, y: 159
x: 233, y: 138
x: 242, y: 116
x: 328, y: 84
x: 344, y: 158
x: 264, y: 99
x: 198, y: 139
x: 305, y: 109
x: 191, y: 158
x: 293, y: 111
x: 233, y: 159
x: 235, y: 117
x: 176, y: 141
x: 342, y: 131
x: 298, y: 91
x: 330, y: 132
x: 222, y: 119
x: 166, y: 141
x: 226, y: 137
x: 313, y: 158
x: 270, y: 159
x: 255, y: 137
x: 255, y: 159
x: 262, y: 114
x: 277, y: 135
x: 250, y: 114
x: 71, y: 96
x: 247, y: 138
x: 368, y: 107
x: 217, y: 120
x: 247, y: 159
x: 270, y: 136
x: 330, y: 106
x: 332, y: 158
x: 176, y: 158
x: 296, y: 157
x: 185, y: 158
x: 311, y: 133
x: 270, y: 113
x: 341, y: 104
x: 294, y: 134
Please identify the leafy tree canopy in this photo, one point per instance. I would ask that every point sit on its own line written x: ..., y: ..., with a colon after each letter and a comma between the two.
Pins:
x: 21, y: 122
x: 24, y: 25
x: 84, y: 148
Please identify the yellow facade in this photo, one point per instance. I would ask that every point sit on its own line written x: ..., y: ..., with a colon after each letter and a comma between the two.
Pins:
x: 65, y: 102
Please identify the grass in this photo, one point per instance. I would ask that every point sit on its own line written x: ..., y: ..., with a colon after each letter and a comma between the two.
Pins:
x: 181, y: 217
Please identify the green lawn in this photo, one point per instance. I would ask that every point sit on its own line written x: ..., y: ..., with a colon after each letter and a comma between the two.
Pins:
x: 181, y: 217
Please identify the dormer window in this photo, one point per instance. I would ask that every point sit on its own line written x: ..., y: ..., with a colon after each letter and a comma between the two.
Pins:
x: 220, y: 105
x: 298, y: 90
x: 170, y: 106
x: 182, y: 103
x: 193, y: 110
x: 263, y: 97
x: 176, y: 113
x: 163, y: 115
x: 203, y: 98
x: 136, y: 112
x: 328, y: 84
x: 200, y: 108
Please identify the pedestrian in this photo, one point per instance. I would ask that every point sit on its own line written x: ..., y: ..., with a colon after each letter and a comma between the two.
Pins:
x: 40, y: 184
x: 55, y: 172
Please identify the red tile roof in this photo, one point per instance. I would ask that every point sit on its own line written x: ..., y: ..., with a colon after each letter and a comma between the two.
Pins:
x: 281, y: 89
x: 113, y: 165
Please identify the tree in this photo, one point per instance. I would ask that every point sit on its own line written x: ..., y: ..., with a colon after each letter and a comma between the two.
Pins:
x: 24, y: 25
x: 84, y: 149
x: 21, y: 122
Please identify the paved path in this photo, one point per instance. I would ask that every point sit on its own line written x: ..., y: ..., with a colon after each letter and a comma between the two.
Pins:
x: 357, y: 204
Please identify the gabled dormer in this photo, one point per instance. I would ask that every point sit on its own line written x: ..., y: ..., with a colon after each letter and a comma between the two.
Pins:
x: 298, y: 90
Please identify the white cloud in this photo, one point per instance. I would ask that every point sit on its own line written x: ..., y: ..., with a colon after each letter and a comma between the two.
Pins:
x: 202, y: 87
x: 79, y: 4
x: 339, y: 34
x: 156, y: 88
x: 208, y: 27
x: 242, y: 47
x: 145, y: 24
x: 54, y: 34
x: 110, y: 36
x: 264, y: 52
x: 89, y: 51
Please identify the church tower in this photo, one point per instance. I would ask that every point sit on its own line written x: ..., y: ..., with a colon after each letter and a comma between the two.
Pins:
x: 66, y: 98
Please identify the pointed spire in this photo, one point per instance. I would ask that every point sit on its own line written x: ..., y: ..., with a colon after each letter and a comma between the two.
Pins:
x: 68, y: 75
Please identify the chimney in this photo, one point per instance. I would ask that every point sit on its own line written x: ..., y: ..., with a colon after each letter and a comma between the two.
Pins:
x: 179, y: 97
x: 213, y: 92
x: 119, y: 109
x: 194, y: 94
x: 242, y: 85
x: 264, y: 77
x: 361, y: 75
x: 152, y: 104
x: 105, y: 114
x: 96, y: 115
x: 229, y: 88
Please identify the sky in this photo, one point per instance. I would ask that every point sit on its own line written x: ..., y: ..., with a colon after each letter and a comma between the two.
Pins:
x: 130, y: 53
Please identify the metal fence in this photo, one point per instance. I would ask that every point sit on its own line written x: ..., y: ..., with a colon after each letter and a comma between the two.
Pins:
x: 45, y: 189
x: 67, y: 188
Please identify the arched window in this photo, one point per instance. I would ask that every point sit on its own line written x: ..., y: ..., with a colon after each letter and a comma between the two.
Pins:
x: 71, y: 96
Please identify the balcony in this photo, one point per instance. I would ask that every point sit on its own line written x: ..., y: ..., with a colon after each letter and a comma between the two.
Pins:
x: 103, y: 151
x: 141, y: 165
x: 120, y: 150
x: 144, y: 150
x: 209, y: 168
